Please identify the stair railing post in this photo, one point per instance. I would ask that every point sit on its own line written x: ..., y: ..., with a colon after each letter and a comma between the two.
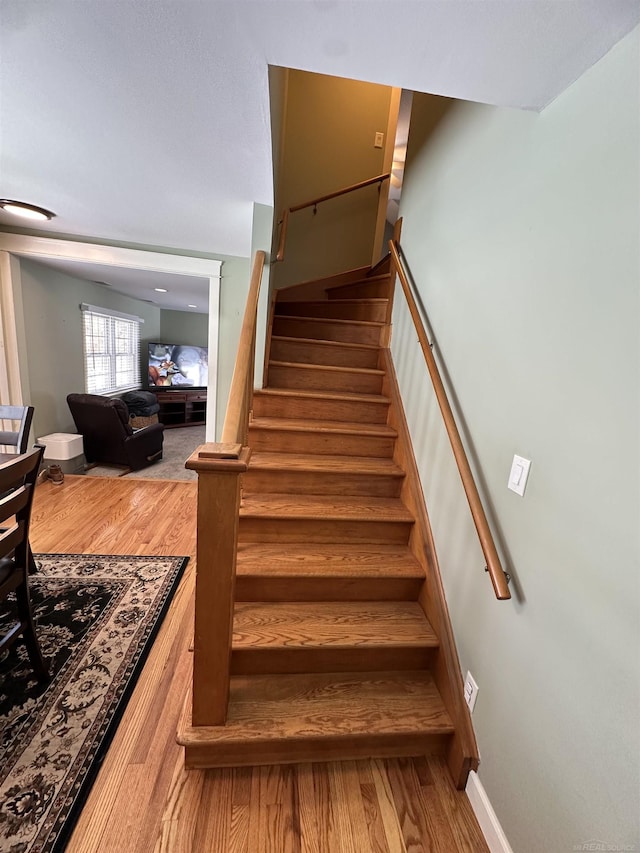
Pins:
x: 220, y: 466
x: 219, y: 469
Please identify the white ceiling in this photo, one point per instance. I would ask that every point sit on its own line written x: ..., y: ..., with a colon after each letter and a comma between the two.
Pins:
x: 188, y: 293
x: 147, y: 121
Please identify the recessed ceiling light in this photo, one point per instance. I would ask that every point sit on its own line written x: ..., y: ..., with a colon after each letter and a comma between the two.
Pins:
x: 27, y: 211
x: 192, y: 306
x: 160, y: 289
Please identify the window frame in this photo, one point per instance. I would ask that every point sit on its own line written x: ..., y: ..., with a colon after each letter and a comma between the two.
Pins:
x: 104, y: 332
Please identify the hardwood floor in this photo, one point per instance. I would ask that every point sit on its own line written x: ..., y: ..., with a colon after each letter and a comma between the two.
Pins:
x: 144, y: 801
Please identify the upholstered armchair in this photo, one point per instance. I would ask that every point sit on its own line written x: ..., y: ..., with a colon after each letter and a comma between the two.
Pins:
x: 108, y: 438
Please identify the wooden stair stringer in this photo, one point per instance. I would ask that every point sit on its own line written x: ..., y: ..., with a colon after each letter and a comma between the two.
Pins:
x: 462, y: 753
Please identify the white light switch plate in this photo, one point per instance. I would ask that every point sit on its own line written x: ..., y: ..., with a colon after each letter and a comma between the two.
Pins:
x: 519, y: 474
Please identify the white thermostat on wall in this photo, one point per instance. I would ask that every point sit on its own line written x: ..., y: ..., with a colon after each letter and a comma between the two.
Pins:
x: 519, y: 473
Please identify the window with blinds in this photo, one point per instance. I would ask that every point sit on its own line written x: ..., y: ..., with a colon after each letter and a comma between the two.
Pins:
x: 111, y: 350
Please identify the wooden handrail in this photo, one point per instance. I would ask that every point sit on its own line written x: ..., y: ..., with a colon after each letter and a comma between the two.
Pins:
x: 220, y: 467
x: 378, y: 179
x: 314, y: 201
x: 499, y: 578
x: 236, y: 420
x: 283, y: 235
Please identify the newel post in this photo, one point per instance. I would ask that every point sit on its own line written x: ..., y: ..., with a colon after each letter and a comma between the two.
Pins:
x: 219, y: 468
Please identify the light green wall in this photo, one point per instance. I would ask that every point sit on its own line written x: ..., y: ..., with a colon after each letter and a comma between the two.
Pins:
x: 261, y: 239
x: 326, y: 143
x: 184, y: 327
x: 522, y: 233
x: 234, y: 286
x: 53, y: 331
x: 278, y: 86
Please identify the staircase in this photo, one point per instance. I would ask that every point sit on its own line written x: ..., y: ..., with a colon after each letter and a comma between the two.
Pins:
x: 332, y: 654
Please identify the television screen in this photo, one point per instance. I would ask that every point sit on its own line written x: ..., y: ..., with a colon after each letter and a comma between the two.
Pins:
x: 178, y: 365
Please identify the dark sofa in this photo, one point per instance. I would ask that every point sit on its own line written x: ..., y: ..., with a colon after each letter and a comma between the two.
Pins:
x: 108, y: 438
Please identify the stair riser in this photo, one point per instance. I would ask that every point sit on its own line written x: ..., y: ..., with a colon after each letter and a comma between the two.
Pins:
x: 303, y: 588
x: 312, y: 379
x: 327, y: 531
x: 322, y: 483
x: 335, y: 309
x: 311, y: 353
x: 317, y: 288
x: 325, y: 330
x: 355, y: 659
x: 328, y: 444
x: 351, y: 411
x: 301, y: 750
x: 374, y: 290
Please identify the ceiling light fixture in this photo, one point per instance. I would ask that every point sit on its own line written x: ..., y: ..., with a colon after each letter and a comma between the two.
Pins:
x: 160, y: 290
x: 192, y: 306
x: 27, y: 211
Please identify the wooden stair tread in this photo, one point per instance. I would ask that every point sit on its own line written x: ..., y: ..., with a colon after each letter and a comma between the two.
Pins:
x: 331, y: 624
x: 328, y: 396
x: 331, y: 561
x: 323, y: 507
x: 326, y: 705
x: 300, y: 425
x: 328, y: 368
x: 370, y: 465
x: 322, y: 343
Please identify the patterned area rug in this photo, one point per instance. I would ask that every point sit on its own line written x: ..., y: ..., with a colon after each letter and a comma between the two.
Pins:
x: 96, y: 619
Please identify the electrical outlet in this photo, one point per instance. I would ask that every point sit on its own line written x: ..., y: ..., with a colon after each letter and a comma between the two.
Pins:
x: 470, y: 691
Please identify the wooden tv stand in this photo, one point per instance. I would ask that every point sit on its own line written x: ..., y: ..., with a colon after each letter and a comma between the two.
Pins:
x: 181, y: 408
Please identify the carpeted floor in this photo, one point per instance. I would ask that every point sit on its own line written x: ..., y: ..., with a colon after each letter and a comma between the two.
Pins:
x: 177, y: 447
x: 96, y: 618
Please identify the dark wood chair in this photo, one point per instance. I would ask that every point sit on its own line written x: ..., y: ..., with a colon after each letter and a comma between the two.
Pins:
x: 17, y: 484
x: 21, y: 417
